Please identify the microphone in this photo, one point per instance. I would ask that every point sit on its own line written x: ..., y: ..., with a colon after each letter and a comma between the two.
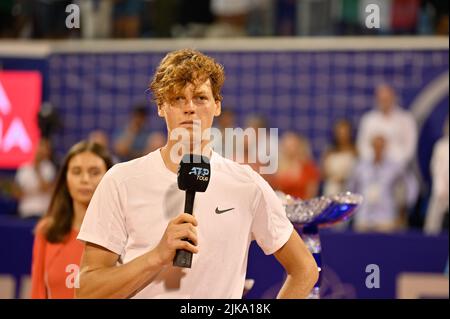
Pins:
x: 194, y: 174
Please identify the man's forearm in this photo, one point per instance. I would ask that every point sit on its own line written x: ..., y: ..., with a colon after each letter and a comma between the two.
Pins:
x: 118, y: 281
x: 297, y: 286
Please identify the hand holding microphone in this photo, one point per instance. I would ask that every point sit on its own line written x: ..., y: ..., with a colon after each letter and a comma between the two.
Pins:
x: 181, y: 227
x: 180, y: 237
x: 194, y: 174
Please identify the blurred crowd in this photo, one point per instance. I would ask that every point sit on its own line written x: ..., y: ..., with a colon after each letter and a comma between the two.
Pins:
x: 376, y: 159
x: 45, y: 19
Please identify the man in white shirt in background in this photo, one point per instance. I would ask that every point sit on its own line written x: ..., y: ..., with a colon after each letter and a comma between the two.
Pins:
x: 399, y: 130
x: 34, y: 182
x: 395, y: 124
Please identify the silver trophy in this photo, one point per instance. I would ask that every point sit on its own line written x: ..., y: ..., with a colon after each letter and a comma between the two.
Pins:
x: 310, y: 215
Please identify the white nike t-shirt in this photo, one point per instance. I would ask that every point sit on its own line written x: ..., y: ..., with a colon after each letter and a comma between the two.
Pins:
x: 135, y: 201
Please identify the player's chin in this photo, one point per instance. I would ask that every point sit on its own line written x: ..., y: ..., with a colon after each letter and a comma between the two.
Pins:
x: 190, y: 126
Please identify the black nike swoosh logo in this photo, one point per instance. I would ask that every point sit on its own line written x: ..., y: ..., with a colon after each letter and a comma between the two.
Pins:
x: 218, y: 211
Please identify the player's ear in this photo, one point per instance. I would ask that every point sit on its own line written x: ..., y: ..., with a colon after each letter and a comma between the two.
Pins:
x: 160, y: 110
x: 218, y: 108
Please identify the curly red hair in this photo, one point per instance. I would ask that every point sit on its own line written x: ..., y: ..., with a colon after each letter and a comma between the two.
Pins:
x: 181, y: 67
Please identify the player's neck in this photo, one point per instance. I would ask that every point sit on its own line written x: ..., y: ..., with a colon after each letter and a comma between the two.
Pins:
x: 171, y: 153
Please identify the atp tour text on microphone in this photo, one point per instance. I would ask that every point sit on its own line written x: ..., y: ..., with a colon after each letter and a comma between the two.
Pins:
x: 249, y: 146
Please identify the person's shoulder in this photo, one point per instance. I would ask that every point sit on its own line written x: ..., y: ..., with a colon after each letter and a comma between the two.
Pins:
x: 240, y: 172
x: 42, y: 226
x: 369, y: 117
x: 25, y: 168
x: 47, y: 167
x: 404, y: 114
x: 123, y: 171
x: 329, y: 150
x: 310, y: 164
x: 371, y: 113
x: 311, y: 167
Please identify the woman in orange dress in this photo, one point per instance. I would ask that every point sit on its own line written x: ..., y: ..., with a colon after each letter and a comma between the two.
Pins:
x: 297, y: 174
x: 56, y: 251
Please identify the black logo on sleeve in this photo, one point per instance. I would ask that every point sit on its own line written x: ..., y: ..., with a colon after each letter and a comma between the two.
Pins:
x: 218, y: 211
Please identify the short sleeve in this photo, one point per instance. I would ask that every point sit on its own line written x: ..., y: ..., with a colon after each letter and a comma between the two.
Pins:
x: 104, y: 222
x: 270, y: 228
